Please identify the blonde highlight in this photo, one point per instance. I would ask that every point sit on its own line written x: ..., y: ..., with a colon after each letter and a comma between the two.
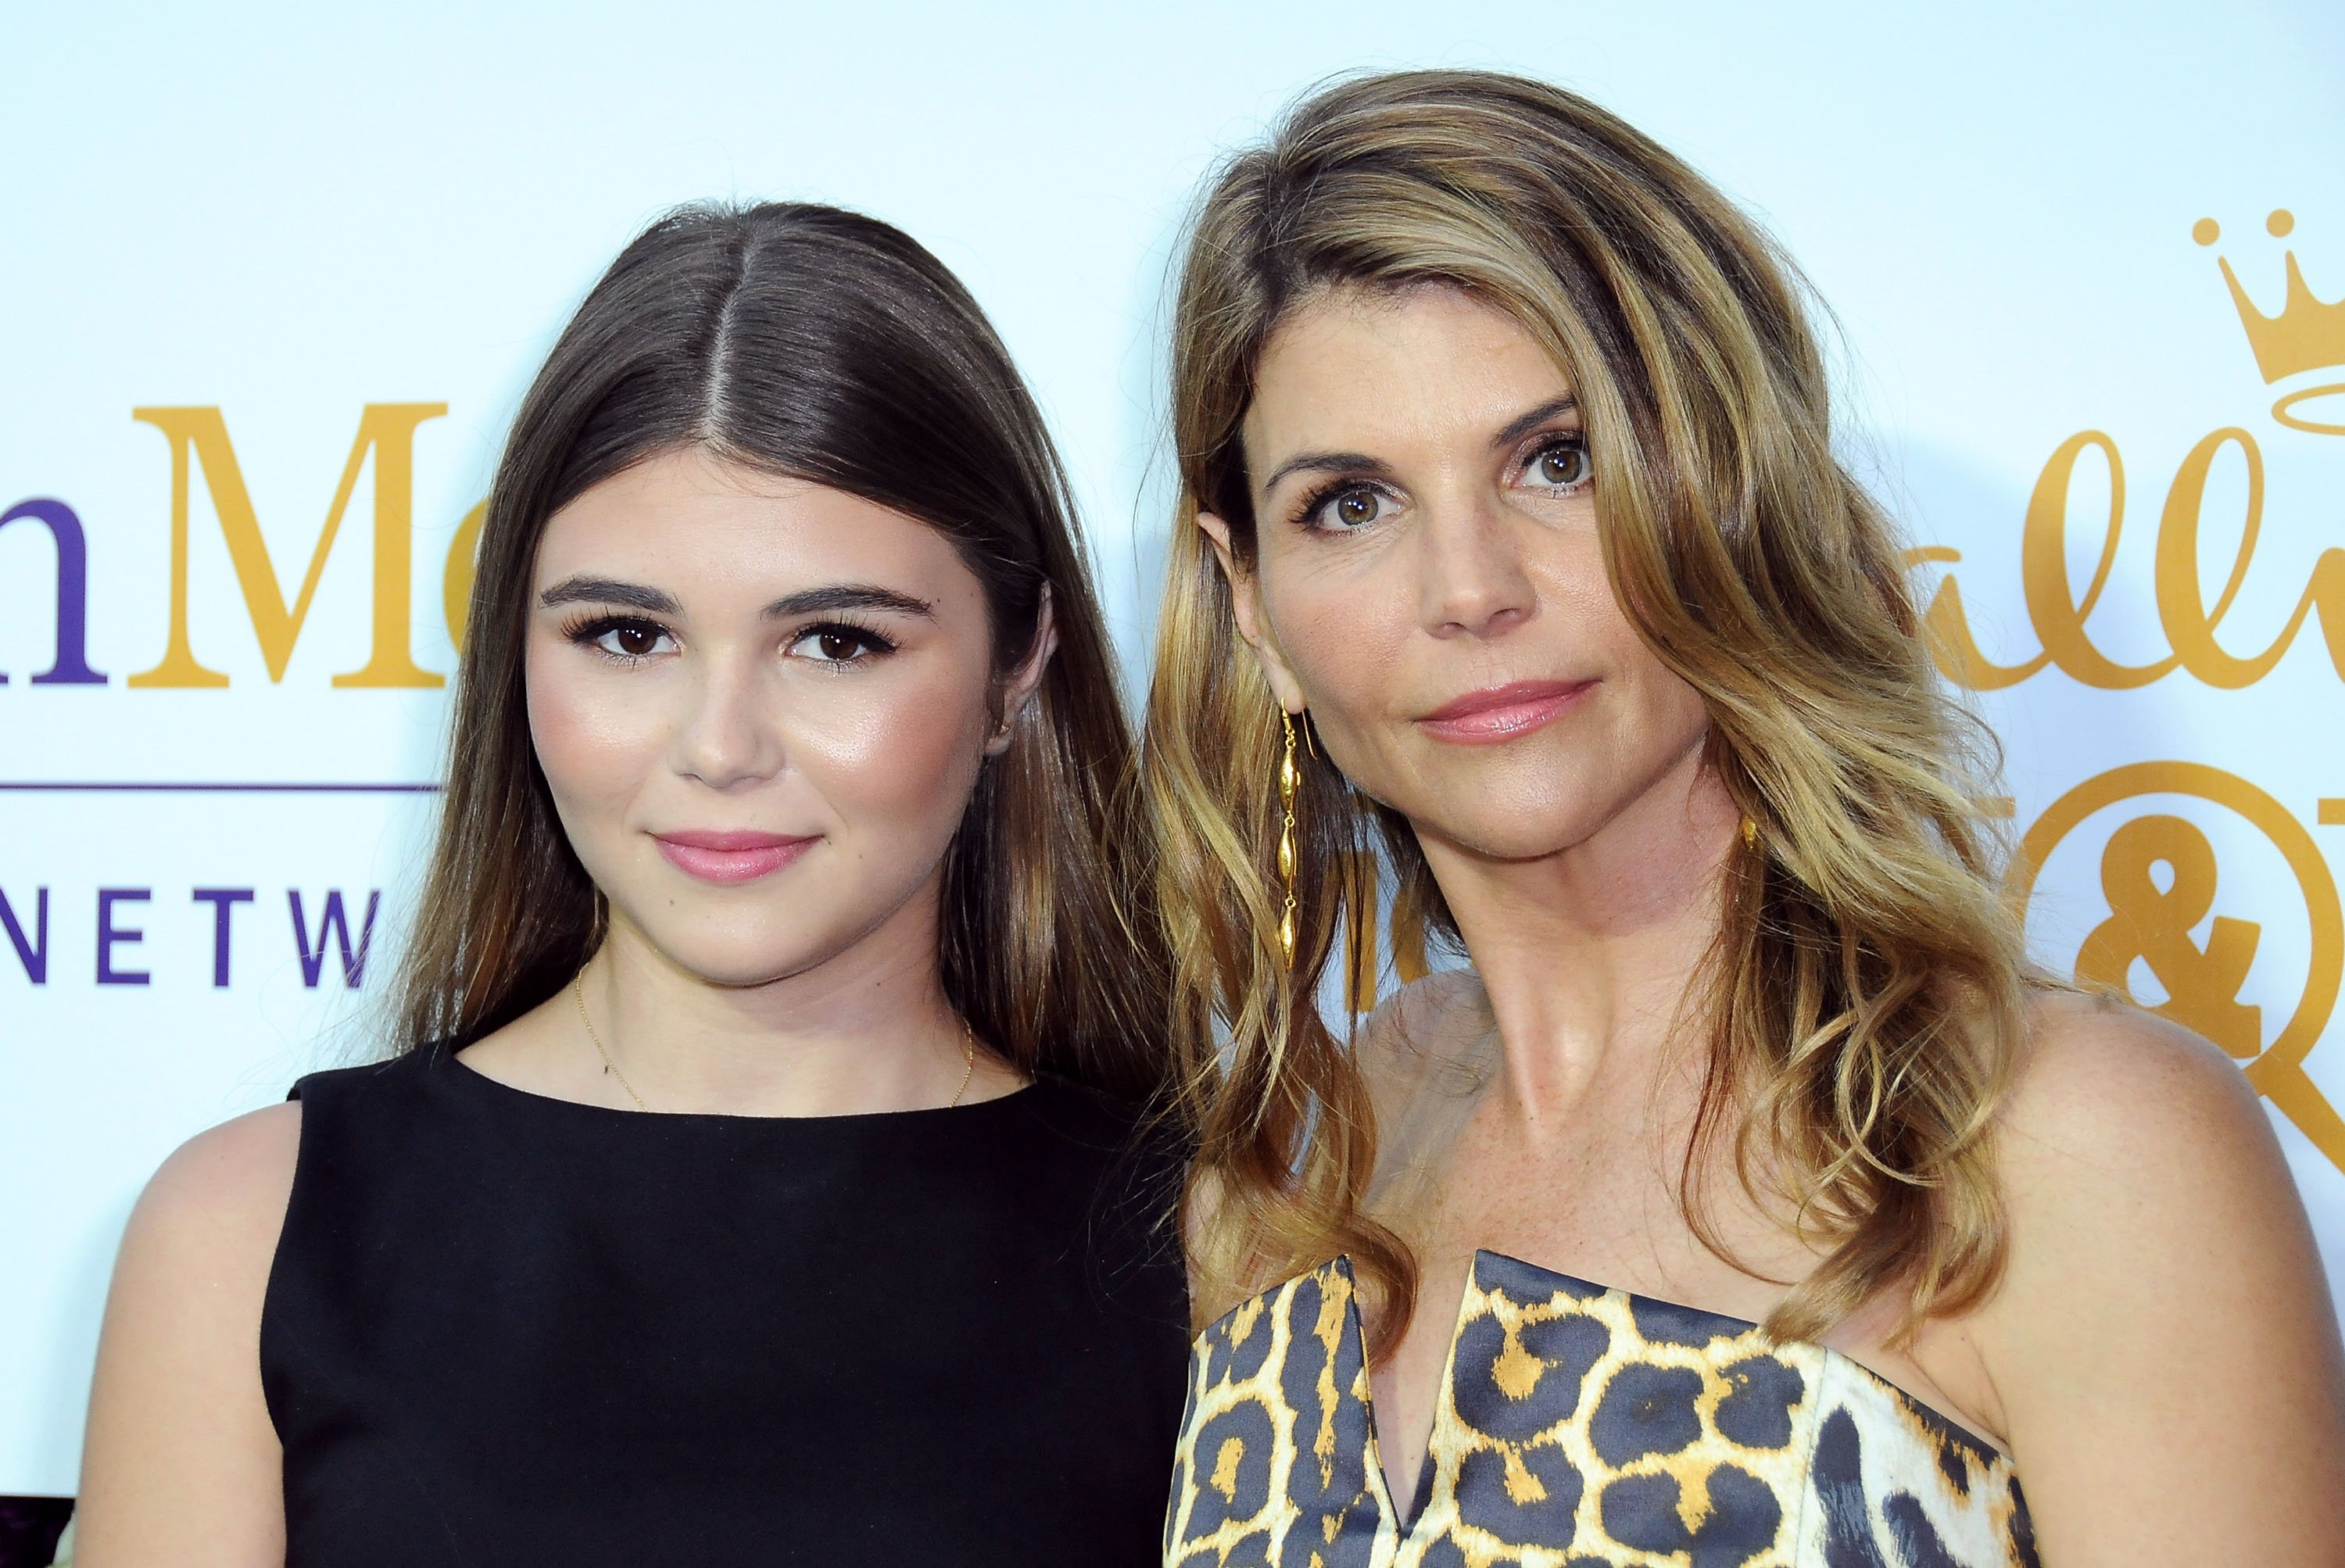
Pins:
x: 1867, y: 990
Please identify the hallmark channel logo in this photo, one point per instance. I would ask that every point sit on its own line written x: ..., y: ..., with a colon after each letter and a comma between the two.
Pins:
x: 201, y: 447
x: 2167, y: 937
x: 119, y: 941
x: 2159, y: 883
x: 329, y: 936
x: 2306, y: 335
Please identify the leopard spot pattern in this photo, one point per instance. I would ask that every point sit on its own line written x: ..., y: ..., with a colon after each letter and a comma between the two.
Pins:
x: 1577, y: 1427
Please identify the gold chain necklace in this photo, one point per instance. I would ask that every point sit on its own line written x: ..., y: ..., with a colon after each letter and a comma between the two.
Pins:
x: 578, y: 990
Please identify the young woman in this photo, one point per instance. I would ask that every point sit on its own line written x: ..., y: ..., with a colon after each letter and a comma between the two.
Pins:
x: 761, y: 1181
x: 1747, y: 1200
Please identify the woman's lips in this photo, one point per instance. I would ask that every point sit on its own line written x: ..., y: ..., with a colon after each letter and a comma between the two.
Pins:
x: 733, y: 857
x: 1503, y: 712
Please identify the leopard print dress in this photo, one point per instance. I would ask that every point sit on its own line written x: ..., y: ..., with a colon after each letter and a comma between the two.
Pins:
x: 1579, y: 1428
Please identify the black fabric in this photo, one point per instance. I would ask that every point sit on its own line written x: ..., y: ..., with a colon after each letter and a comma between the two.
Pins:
x: 503, y: 1328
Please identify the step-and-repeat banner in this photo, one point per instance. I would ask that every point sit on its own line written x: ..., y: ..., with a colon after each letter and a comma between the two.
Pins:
x: 268, y: 294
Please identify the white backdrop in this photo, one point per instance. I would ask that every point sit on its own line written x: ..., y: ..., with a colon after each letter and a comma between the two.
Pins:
x: 294, y: 218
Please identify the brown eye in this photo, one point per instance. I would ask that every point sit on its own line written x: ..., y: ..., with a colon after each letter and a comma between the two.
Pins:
x: 1350, y: 509
x: 628, y: 640
x: 840, y: 646
x: 1562, y: 465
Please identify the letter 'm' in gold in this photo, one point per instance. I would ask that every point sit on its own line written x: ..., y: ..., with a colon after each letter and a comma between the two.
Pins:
x: 199, y: 436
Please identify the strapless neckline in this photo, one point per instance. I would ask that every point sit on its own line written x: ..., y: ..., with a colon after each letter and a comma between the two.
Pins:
x: 1573, y: 1422
x: 1653, y: 1308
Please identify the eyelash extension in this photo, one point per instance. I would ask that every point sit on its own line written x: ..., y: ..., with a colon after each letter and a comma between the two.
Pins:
x: 585, y: 629
x: 879, y: 644
x: 1562, y: 440
x: 1314, y: 500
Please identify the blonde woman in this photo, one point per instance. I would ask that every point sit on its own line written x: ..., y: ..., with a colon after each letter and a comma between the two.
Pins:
x: 1747, y: 1200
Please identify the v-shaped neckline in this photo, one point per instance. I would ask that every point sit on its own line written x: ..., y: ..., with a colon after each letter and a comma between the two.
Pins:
x: 1404, y: 1525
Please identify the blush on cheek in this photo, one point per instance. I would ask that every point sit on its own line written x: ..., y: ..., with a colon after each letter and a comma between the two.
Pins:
x: 592, y: 741
x: 901, y: 763
x: 1343, y: 650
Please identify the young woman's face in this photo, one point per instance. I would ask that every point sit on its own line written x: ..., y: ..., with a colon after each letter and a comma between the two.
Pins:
x: 761, y: 707
x: 1430, y: 584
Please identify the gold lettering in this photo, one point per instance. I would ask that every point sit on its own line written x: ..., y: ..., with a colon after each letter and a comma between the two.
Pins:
x: 2181, y: 602
x: 2058, y: 617
x: 2188, y: 621
x: 1946, y: 631
x: 2058, y: 614
x: 200, y: 435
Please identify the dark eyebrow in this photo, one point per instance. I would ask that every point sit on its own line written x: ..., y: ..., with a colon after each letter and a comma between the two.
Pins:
x: 812, y: 602
x: 1523, y: 424
x: 848, y: 597
x: 1326, y: 462
x: 1360, y: 462
x: 607, y: 591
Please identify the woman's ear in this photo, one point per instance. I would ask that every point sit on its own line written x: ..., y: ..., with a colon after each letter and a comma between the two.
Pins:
x: 1254, y: 626
x: 1024, y: 681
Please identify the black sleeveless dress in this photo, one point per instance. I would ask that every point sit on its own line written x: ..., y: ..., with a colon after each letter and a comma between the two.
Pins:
x: 503, y: 1328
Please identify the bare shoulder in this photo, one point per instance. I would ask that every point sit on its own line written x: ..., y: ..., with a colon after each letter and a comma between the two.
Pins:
x: 181, y: 1464
x: 2141, y: 1147
x: 2107, y: 1094
x: 230, y: 1183
x: 2163, y: 1347
x: 209, y: 1219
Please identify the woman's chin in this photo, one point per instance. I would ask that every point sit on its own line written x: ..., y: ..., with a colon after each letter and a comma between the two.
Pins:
x: 739, y: 961
x: 1502, y: 843
x: 1502, y: 827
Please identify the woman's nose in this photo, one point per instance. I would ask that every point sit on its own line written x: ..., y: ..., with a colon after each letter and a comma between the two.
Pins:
x: 729, y: 735
x: 1473, y: 582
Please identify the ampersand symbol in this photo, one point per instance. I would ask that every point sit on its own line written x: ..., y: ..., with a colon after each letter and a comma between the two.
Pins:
x: 2146, y: 921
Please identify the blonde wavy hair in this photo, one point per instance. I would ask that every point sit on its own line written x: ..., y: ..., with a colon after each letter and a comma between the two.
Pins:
x: 1867, y: 993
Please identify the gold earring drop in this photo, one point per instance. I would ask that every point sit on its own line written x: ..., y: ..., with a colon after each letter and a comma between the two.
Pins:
x: 1287, y: 780
x: 1749, y: 833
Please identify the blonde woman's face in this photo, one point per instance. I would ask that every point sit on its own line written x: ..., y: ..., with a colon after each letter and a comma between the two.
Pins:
x: 760, y: 706
x: 1429, y: 582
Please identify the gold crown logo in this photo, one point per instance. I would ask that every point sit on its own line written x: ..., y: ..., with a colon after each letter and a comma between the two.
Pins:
x: 2306, y: 335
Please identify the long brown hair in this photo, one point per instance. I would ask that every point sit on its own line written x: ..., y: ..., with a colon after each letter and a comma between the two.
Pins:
x: 822, y: 345
x: 1866, y: 988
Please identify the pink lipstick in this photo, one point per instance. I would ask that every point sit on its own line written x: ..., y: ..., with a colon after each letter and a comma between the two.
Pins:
x: 730, y: 857
x: 1503, y: 712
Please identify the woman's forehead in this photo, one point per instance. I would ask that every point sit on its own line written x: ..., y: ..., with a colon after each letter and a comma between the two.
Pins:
x: 1429, y: 363
x: 700, y: 525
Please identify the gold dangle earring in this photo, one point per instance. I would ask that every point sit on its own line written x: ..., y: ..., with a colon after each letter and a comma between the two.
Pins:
x: 1287, y: 779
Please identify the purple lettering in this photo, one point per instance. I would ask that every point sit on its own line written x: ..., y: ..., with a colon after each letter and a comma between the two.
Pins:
x: 70, y: 664
x: 33, y: 955
x: 223, y: 902
x: 333, y: 921
x: 108, y: 935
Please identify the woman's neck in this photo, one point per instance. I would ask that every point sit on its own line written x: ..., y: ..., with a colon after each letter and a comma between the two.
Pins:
x: 868, y: 1030
x: 1590, y: 955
